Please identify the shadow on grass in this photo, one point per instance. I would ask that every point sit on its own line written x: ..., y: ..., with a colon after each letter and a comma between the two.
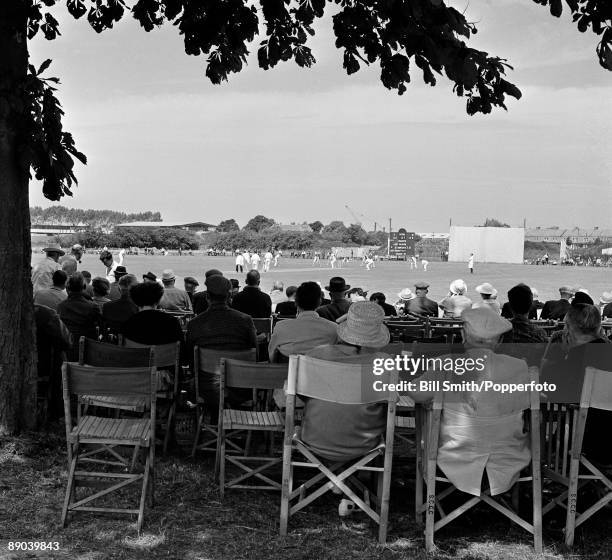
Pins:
x: 191, y: 522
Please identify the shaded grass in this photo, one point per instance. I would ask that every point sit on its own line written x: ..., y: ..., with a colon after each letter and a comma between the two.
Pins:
x: 191, y: 522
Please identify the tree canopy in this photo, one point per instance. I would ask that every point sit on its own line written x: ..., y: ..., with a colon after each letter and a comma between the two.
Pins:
x: 259, y: 223
x: 228, y: 225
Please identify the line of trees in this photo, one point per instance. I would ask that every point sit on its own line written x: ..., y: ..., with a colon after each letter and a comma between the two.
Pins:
x: 261, y: 231
x: 93, y: 218
x: 168, y: 238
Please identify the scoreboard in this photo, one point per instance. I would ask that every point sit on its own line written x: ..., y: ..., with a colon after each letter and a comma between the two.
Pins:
x: 401, y: 244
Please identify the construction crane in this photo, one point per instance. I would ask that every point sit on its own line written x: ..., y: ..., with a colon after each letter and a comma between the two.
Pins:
x: 359, y: 218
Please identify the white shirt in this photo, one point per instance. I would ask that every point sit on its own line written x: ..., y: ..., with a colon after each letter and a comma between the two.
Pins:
x: 239, y: 260
x: 471, y: 262
x: 268, y: 256
x: 255, y: 258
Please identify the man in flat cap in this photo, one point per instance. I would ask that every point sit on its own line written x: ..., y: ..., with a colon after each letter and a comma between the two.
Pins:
x: 200, y: 301
x: 191, y: 285
x: 421, y: 305
x: 174, y: 299
x: 557, y: 308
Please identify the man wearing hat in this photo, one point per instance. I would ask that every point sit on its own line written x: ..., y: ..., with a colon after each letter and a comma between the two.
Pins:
x: 200, y: 301
x: 421, y: 305
x: 339, y: 303
x: 557, y: 308
x: 115, y: 291
x: 173, y: 299
x: 42, y: 274
x: 191, y: 284
x: 481, y: 432
x: 606, y: 302
x: 405, y: 295
x: 149, y: 277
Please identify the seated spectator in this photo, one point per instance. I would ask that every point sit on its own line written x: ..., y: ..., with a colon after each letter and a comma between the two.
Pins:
x: 520, y: 302
x: 88, y: 289
x: 356, y: 294
x: 380, y: 299
x: 556, y: 309
x: 220, y: 328
x: 191, y: 285
x: 489, y: 297
x: 339, y: 303
x: 174, y: 299
x: 116, y: 313
x: 341, y: 431
x: 150, y: 325
x: 586, y: 347
x: 53, y: 339
x: 149, y: 277
x: 277, y: 294
x: 456, y: 302
x: 115, y: 293
x: 606, y: 305
x: 53, y: 296
x: 582, y: 296
x: 234, y: 289
x: 482, y: 431
x: 101, y: 289
x: 506, y: 311
x: 288, y: 308
x: 535, y: 311
x: 251, y: 300
x: 405, y: 295
x: 306, y: 331
x: 421, y: 305
x: 80, y: 315
x: 200, y: 301
x: 69, y: 266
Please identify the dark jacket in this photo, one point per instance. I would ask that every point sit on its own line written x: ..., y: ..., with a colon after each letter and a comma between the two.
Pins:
x: 199, y: 302
x: 555, y: 309
x: 152, y: 327
x: 81, y: 316
x: 422, y: 306
x: 287, y: 308
x: 115, y: 313
x: 506, y: 311
x: 335, y: 309
x: 252, y: 301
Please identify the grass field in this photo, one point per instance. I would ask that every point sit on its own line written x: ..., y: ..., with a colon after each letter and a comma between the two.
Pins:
x: 191, y: 522
x: 387, y: 277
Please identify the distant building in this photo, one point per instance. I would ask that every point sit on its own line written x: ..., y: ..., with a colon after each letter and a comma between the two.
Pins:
x: 576, y: 235
x: 56, y: 229
x: 194, y: 227
x: 433, y: 235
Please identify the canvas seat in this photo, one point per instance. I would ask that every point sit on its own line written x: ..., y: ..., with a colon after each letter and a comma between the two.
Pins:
x: 343, y: 385
x: 564, y: 462
x: 494, y: 435
x: 207, y: 372
x: 252, y: 468
x: 106, y: 434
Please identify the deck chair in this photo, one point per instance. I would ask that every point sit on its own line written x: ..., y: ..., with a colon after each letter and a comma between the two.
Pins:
x: 166, y: 357
x: 136, y: 433
x: 564, y: 461
x: 340, y: 383
x: 247, y: 375
x: 428, y: 426
x: 207, y: 371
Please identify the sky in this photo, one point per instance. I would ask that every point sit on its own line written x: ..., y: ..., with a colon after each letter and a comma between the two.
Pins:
x: 300, y: 144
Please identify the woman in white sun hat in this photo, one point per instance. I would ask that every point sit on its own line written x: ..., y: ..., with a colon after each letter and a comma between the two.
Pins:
x: 456, y: 300
x: 489, y: 297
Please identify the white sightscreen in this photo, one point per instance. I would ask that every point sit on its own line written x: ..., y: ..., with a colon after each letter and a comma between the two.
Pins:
x: 489, y: 244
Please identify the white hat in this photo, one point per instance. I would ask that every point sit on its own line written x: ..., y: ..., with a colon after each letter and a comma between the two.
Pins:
x: 486, y: 288
x: 606, y: 297
x: 168, y: 275
x: 458, y: 287
x: 364, y: 325
x: 484, y: 322
x: 406, y: 294
x: 535, y: 293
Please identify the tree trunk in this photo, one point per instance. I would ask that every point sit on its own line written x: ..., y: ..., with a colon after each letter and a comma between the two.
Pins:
x: 17, y: 343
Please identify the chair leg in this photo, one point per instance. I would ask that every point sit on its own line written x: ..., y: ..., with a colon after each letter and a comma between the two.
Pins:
x: 572, y: 502
x: 431, y: 506
x: 144, y: 491
x: 384, y: 505
x: 221, y: 460
x: 69, y: 489
x: 169, y: 426
x: 286, y: 489
x: 197, y: 434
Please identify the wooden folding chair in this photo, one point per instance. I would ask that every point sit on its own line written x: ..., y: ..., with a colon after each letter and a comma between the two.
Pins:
x: 207, y: 371
x: 166, y: 357
x: 136, y: 433
x: 263, y: 327
x: 342, y: 383
x: 247, y: 375
x: 564, y: 462
x: 405, y: 331
x: 450, y: 334
x: 428, y: 432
